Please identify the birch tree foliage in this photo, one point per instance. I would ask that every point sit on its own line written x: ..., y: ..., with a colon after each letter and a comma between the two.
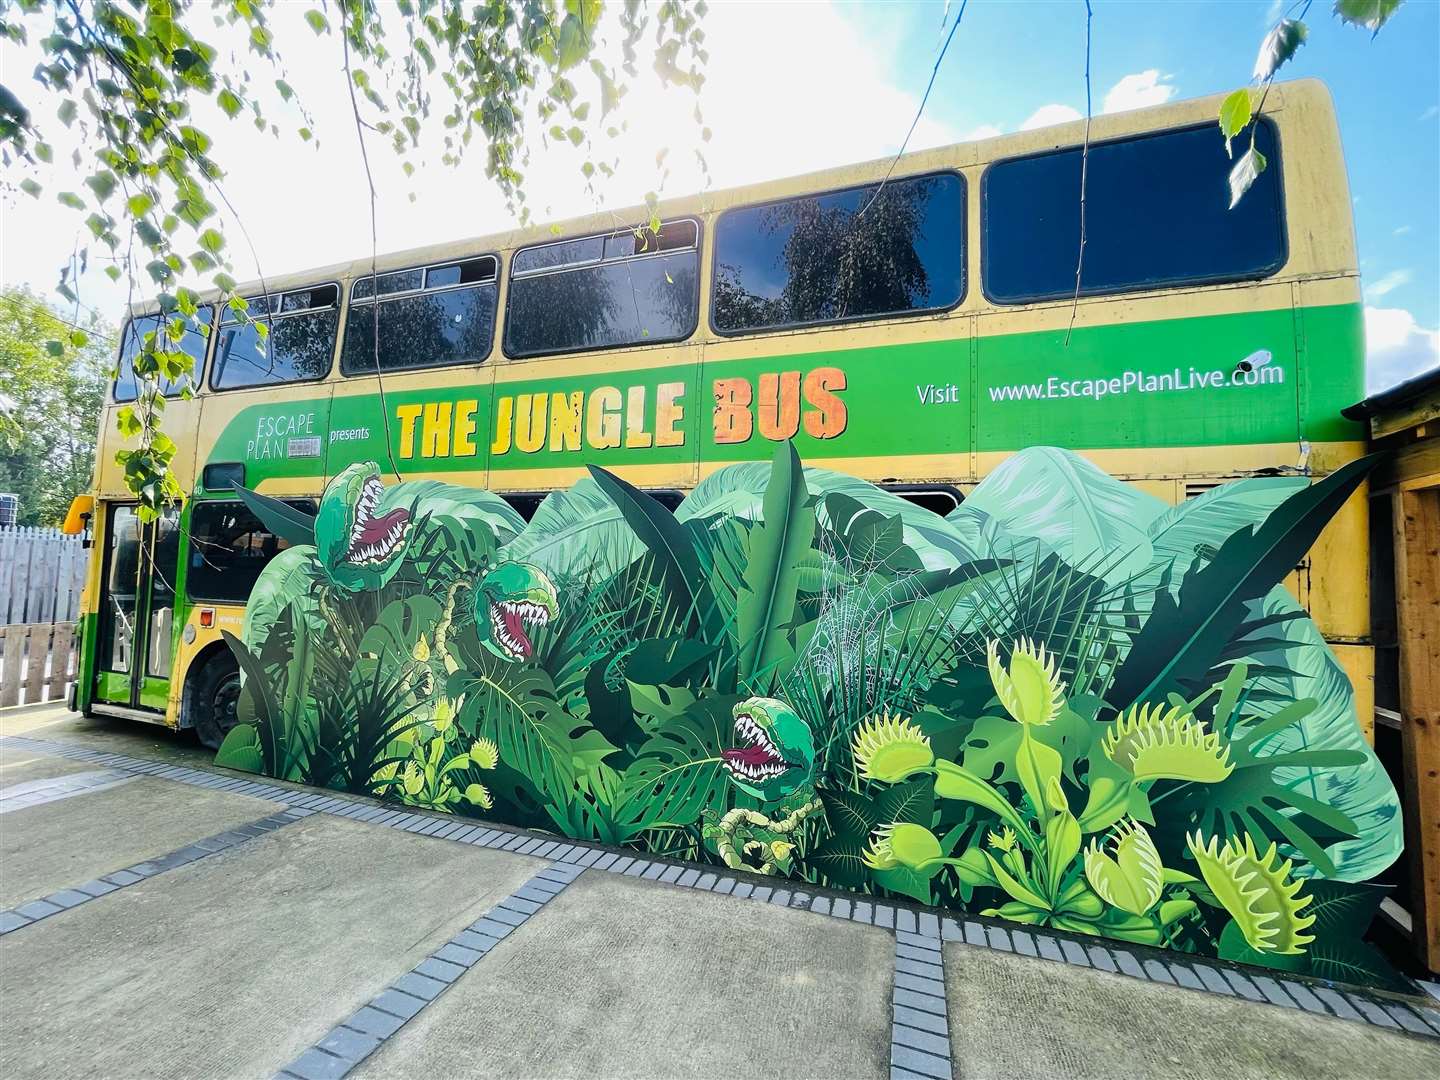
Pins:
x: 441, y: 78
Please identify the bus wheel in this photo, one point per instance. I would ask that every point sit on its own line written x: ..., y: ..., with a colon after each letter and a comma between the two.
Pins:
x: 217, y: 692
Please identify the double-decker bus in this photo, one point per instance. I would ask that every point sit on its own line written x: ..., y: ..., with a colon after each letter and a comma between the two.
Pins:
x: 911, y: 322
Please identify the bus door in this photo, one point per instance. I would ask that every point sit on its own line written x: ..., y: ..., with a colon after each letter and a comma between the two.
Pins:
x: 137, y: 607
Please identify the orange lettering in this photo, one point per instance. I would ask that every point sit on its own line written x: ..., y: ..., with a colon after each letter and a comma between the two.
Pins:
x: 733, y: 421
x: 779, y: 405
x: 829, y: 418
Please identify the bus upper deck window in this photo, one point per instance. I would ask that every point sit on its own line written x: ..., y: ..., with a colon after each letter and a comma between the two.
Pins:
x: 301, y: 339
x: 630, y: 287
x: 1157, y: 213
x: 433, y: 316
x: 192, y: 342
x: 862, y: 253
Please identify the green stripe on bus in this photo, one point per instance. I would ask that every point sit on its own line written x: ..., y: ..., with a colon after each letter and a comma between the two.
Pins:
x: 1256, y: 377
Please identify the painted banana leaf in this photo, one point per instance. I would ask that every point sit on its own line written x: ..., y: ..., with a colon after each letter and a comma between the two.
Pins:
x: 738, y: 491
x: 1183, y: 639
x: 1362, y: 792
x: 292, y: 525
x: 288, y: 578
x: 461, y: 508
x: 577, y: 532
x: 1057, y: 497
x: 765, y: 611
x: 1197, y: 527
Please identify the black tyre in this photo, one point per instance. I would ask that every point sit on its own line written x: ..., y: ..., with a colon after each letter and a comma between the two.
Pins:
x: 213, y: 698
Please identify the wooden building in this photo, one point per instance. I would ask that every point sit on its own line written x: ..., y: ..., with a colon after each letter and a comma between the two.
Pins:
x: 1405, y: 587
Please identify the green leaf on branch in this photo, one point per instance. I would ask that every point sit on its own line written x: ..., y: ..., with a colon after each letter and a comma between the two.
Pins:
x: 1235, y: 112
x: 1279, y: 46
x: 30, y: 187
x: 67, y: 111
x: 212, y: 241
x: 1244, y: 174
x: 229, y: 103
x: 70, y: 199
x: 1367, y: 14
x: 317, y: 21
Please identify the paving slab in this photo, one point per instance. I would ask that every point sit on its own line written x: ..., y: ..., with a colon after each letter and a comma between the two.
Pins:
x: 1013, y: 1016
x: 63, y: 843
x: 19, y: 766
x: 234, y: 965
x: 623, y: 977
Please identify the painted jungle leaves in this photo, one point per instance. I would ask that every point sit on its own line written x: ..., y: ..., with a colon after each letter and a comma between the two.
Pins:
x: 1180, y: 639
x: 849, y: 605
x: 765, y: 612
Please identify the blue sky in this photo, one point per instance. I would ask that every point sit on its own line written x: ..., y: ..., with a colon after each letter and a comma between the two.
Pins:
x: 798, y: 86
x: 1386, y: 91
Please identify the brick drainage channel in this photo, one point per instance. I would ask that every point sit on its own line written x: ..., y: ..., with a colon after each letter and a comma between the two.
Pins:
x: 919, y: 1033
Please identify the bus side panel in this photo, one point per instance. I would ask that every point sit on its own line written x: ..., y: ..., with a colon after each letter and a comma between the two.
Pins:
x: 638, y: 412
x: 1140, y: 383
x: 872, y: 401
x: 278, y: 433
x: 180, y: 421
x: 433, y: 424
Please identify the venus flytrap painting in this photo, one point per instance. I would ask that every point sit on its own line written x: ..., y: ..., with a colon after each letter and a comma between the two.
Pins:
x: 1064, y: 704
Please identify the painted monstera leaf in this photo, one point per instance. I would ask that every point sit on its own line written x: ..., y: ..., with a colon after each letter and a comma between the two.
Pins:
x: 1055, y: 496
x: 576, y: 532
x: 1362, y: 792
x: 739, y: 490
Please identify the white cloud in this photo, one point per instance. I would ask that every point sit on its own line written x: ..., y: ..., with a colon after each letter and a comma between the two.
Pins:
x: 1430, y: 113
x: 984, y: 131
x: 1387, y: 284
x: 1396, y: 348
x: 774, y: 111
x: 1048, y: 115
x: 1403, y: 230
x: 1138, y: 91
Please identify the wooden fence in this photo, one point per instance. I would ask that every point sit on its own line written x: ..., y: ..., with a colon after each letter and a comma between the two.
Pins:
x: 37, y: 662
x: 41, y: 574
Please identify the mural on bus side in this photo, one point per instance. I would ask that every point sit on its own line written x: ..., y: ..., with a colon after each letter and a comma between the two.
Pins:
x: 1064, y: 704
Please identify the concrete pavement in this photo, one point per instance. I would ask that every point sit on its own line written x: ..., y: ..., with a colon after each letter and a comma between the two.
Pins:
x: 325, y: 944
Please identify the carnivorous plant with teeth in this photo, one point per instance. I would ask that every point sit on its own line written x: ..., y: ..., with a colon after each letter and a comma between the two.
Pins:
x: 774, y: 760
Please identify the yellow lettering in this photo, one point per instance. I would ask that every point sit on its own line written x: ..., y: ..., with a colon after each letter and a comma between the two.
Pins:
x: 565, y: 420
x: 668, y: 414
x: 602, y: 418
x: 504, y: 416
x: 465, y: 427
x: 530, y: 422
x: 635, y: 433
x: 435, y: 430
x: 407, y: 415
